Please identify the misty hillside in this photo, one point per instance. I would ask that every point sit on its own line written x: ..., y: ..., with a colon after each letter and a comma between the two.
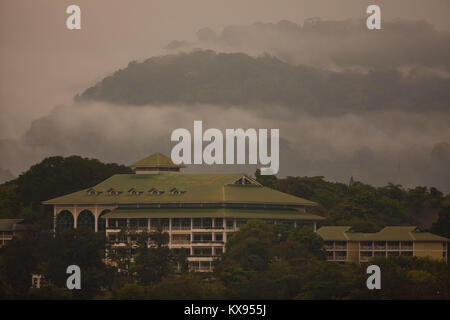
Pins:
x: 348, y: 102
x: 238, y: 79
x: 334, y: 45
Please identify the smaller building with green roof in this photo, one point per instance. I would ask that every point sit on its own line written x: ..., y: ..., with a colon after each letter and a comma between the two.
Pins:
x: 343, y: 244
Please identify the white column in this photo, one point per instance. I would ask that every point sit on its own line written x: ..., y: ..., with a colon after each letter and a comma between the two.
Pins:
x: 170, y: 231
x: 191, y: 235
x: 96, y: 219
x: 315, y: 226
x: 54, y: 220
x: 75, y: 217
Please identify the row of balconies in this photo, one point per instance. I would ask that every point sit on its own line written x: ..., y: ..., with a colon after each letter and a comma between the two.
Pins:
x: 174, y: 228
x: 383, y: 248
x: 187, y: 242
x: 330, y: 245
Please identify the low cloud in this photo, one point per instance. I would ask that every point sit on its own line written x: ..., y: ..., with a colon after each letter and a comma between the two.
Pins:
x: 376, y: 147
x: 412, y: 46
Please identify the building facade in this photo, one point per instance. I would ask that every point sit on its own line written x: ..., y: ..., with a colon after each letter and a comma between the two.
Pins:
x: 344, y: 245
x: 198, y: 211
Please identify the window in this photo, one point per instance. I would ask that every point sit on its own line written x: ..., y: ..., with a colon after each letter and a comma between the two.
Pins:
x: 134, y: 192
x: 155, y: 192
x: 207, y: 223
x: 393, y: 245
x: 218, y: 251
x: 340, y: 245
x: 219, y: 237
x: 142, y: 223
x: 121, y: 222
x: 406, y: 245
x: 133, y: 223
x: 203, y: 237
x: 366, y: 245
x: 204, y: 252
x: 329, y: 244
x: 175, y: 191
x: 230, y: 223
x: 244, y: 180
x: 218, y: 223
x: 112, y: 223
x: 379, y: 244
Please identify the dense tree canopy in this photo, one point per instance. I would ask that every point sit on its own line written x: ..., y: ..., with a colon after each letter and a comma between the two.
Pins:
x: 52, y: 177
x: 365, y: 207
x: 261, y: 261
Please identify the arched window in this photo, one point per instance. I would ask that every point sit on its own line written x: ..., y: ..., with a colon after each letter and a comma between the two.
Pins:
x: 64, y: 221
x: 86, y: 220
x: 101, y: 227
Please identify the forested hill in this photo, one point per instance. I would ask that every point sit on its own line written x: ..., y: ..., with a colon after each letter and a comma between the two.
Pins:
x: 52, y: 177
x: 369, y: 208
x: 366, y: 207
x: 238, y: 79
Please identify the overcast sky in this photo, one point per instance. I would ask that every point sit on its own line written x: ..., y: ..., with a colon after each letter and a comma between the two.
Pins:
x: 43, y: 65
x: 407, y: 140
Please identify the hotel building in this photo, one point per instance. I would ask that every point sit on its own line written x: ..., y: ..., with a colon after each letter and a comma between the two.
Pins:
x: 198, y: 211
x: 343, y: 245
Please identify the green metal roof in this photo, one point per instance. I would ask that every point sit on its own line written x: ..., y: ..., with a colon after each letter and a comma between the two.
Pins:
x: 336, y: 233
x: 395, y: 233
x: 157, y: 160
x: 213, y: 213
x: 194, y: 188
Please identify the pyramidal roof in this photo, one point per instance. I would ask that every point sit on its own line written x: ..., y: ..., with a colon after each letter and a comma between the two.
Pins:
x: 194, y: 188
x: 156, y: 160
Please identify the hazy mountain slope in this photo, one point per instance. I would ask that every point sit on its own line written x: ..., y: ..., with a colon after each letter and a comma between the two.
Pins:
x: 239, y: 79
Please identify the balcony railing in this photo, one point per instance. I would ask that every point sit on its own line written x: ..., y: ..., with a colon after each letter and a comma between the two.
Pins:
x: 201, y: 255
x: 198, y: 227
x: 178, y: 228
x: 207, y: 241
x: 181, y: 241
